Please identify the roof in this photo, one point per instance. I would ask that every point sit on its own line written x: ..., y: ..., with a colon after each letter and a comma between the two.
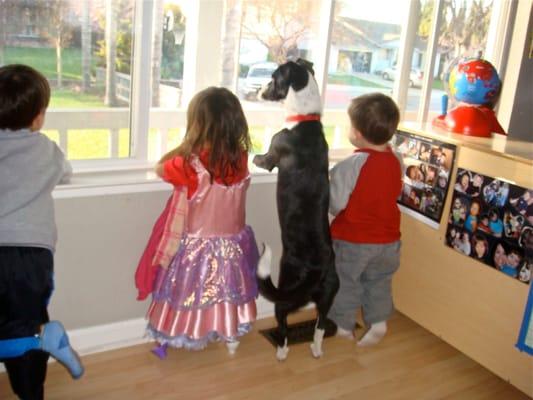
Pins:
x: 349, y: 32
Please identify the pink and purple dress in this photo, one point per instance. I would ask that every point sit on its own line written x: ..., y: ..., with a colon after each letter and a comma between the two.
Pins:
x: 208, y: 291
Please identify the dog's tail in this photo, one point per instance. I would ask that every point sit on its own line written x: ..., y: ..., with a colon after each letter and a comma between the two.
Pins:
x: 294, y: 293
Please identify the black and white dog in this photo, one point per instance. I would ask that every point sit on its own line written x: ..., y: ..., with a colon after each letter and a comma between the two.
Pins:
x: 307, y: 268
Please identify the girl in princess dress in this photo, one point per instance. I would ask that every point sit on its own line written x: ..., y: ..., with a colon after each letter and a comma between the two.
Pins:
x: 207, y: 293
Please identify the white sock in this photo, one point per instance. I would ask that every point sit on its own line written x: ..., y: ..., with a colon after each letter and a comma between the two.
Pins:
x: 232, y: 347
x: 344, y: 333
x: 374, y: 334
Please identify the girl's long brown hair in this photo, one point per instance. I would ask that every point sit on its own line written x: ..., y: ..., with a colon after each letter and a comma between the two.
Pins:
x: 216, y: 122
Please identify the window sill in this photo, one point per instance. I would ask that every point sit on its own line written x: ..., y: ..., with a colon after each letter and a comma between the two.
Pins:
x: 133, y: 176
x: 134, y: 179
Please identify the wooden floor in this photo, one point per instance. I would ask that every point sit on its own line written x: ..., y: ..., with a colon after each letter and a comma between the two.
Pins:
x: 410, y: 363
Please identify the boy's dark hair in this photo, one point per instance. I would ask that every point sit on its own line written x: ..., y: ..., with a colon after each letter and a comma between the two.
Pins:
x: 24, y: 94
x: 376, y: 116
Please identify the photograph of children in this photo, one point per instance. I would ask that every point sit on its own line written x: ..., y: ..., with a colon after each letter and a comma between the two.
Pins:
x: 495, y: 193
x: 495, y: 223
x: 459, y: 239
x: 414, y: 175
x: 497, y: 216
x: 460, y: 205
x: 524, y: 274
x: 430, y: 174
x: 524, y: 204
x: 463, y: 244
x: 512, y: 224
x: 463, y: 181
x: 442, y: 157
x: 472, y: 219
x: 483, y: 225
x: 431, y: 202
x: 425, y: 150
x: 406, y: 146
x: 476, y: 186
x: 480, y: 247
x: 507, y: 259
x: 411, y: 196
x: 526, y: 241
x: 442, y: 182
x: 427, y: 164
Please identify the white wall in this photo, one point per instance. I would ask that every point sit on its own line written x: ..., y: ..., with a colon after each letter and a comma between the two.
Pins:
x: 101, y: 239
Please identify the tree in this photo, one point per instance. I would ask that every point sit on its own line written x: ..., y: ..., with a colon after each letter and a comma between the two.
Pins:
x: 173, y: 43
x: 53, y: 15
x: 114, y: 51
x: 278, y: 25
x: 230, y: 42
x: 86, y: 45
x: 110, y: 97
x: 10, y: 23
x: 157, y: 50
x: 464, y: 28
x: 167, y: 57
x: 426, y: 18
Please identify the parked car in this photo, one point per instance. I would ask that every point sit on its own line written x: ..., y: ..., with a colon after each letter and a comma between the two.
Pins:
x: 257, y: 76
x: 415, y: 77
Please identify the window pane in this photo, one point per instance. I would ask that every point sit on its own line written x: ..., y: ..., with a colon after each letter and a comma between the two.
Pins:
x: 258, y: 36
x: 168, y: 43
x: 419, y: 59
x: 463, y: 34
x: 363, y: 50
x: 66, y: 41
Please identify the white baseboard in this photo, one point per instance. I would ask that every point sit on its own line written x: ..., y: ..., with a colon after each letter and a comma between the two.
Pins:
x: 95, y: 339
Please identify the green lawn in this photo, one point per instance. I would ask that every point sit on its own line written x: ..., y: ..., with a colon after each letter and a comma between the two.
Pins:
x: 44, y: 60
x: 72, y: 98
x: 350, y: 80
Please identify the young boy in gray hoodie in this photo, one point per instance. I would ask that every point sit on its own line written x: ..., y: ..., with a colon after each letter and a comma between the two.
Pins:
x: 31, y: 165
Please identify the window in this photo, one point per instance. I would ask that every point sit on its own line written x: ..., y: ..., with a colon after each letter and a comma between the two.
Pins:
x: 122, y: 71
x: 84, y: 49
x: 168, y: 46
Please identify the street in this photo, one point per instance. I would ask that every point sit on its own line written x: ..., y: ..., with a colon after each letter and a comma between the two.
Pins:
x: 339, y: 96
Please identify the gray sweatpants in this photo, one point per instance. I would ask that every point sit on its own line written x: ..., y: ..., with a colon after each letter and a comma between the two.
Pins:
x: 365, y: 272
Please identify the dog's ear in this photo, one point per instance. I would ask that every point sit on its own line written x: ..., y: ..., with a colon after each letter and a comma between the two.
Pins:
x: 308, y: 65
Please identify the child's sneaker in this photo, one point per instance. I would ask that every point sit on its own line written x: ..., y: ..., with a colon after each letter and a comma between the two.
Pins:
x: 54, y: 340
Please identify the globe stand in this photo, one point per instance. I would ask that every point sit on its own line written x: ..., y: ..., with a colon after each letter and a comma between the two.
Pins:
x: 470, y: 120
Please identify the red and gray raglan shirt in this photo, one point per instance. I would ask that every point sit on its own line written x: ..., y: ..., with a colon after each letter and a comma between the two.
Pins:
x: 363, y: 193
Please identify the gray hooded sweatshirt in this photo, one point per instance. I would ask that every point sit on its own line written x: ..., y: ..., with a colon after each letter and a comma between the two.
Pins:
x: 31, y: 165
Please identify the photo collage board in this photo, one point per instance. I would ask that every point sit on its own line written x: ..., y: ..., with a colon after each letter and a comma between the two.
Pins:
x: 491, y: 220
x: 428, y: 164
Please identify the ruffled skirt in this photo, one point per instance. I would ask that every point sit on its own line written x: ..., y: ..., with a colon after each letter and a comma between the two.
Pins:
x: 207, y: 293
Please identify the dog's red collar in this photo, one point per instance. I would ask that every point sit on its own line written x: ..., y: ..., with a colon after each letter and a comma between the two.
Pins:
x: 300, y: 118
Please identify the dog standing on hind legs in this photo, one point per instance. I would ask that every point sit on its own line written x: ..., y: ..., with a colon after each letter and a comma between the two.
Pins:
x: 300, y: 152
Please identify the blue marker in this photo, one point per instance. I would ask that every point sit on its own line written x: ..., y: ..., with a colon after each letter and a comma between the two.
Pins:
x: 444, y: 104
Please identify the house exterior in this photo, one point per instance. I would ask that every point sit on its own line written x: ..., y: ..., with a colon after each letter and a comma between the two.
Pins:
x: 360, y: 46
